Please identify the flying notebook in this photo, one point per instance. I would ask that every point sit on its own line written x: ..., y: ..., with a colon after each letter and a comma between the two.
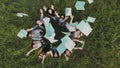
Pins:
x: 50, y: 33
x: 84, y: 27
x: 80, y: 5
x: 49, y: 30
x: 51, y: 38
x: 91, y: 19
x: 61, y: 48
x: 22, y: 33
x: 46, y: 21
x: 21, y: 14
x: 68, y: 11
x: 90, y: 1
x: 68, y: 43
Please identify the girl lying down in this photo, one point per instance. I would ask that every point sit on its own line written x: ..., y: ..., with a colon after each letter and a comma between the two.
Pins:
x: 54, y: 53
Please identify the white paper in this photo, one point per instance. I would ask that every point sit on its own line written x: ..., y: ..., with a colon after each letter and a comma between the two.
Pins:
x: 90, y: 1
x: 51, y: 39
x: 46, y: 21
x: 68, y: 11
x: 70, y: 45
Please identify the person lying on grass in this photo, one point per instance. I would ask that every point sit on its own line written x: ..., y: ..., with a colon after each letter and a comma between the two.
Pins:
x: 39, y: 23
x: 46, y: 51
x: 36, y: 40
x: 54, y: 53
x: 67, y: 52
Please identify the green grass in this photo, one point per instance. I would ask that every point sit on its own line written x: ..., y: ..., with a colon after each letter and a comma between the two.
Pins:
x: 102, y: 48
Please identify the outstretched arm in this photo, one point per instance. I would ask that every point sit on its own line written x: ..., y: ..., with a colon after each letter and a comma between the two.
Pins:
x: 56, y: 13
x: 76, y: 40
x: 77, y: 48
x: 52, y: 7
x: 71, y: 18
x: 41, y: 14
x: 66, y: 57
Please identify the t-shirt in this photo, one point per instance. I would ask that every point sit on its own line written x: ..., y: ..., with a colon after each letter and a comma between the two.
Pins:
x: 74, y: 34
x: 61, y: 20
x: 55, y: 51
x: 37, y: 35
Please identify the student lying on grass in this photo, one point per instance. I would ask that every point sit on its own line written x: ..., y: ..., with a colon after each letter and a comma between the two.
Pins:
x: 36, y: 40
x: 75, y: 36
x: 54, y: 53
x: 39, y: 23
x: 67, y: 52
x: 46, y: 51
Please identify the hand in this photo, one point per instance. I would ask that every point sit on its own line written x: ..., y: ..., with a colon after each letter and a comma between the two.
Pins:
x: 67, y: 59
x: 52, y: 7
x: 45, y: 8
x: 41, y: 11
x: 71, y: 16
x: 42, y: 62
x: 81, y: 48
x: 27, y: 54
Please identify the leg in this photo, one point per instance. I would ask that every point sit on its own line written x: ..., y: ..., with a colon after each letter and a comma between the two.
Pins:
x: 34, y: 48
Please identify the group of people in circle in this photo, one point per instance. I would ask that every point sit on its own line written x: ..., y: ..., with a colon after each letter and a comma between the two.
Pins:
x: 37, y: 32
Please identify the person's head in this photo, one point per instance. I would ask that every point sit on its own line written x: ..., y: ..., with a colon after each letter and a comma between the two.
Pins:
x: 80, y: 34
x: 67, y: 52
x: 30, y: 34
x: 38, y: 22
x: 62, y: 16
x: 50, y: 11
x: 55, y: 53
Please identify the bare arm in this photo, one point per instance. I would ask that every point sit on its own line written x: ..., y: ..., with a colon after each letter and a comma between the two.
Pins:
x: 77, y: 48
x: 76, y: 40
x: 52, y: 7
x: 41, y: 14
x: 71, y: 18
x: 66, y: 57
x: 30, y: 29
x: 66, y: 18
x: 56, y: 13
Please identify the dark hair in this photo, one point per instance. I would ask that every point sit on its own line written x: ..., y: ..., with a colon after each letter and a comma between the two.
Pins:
x: 55, y: 51
x: 28, y: 33
x: 67, y: 50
